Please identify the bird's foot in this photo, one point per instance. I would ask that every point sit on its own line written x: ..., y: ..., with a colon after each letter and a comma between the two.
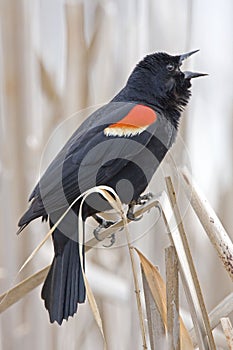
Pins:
x: 144, y: 198
x: 102, y: 224
x: 105, y: 224
x: 130, y: 213
x: 141, y: 200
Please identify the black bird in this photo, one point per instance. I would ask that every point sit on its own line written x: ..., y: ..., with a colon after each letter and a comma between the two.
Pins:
x: 120, y: 145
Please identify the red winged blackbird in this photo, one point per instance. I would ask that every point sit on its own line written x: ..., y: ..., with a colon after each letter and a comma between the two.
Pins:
x: 120, y: 145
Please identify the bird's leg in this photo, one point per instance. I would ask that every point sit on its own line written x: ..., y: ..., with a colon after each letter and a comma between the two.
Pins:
x: 130, y: 213
x: 103, y: 224
x: 141, y: 200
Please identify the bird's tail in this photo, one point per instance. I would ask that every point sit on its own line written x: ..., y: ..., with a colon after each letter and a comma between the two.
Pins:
x: 64, y: 286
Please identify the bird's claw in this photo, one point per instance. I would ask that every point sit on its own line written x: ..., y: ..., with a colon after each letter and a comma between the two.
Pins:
x: 102, y: 224
x: 140, y: 201
x: 112, y: 241
x: 131, y: 216
x: 96, y: 233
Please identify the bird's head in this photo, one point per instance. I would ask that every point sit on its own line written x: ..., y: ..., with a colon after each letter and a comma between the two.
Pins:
x: 158, y: 79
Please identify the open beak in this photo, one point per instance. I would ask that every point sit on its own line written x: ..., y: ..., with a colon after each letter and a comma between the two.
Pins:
x: 190, y: 75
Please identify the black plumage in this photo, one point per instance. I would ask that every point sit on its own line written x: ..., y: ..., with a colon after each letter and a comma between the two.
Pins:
x: 125, y: 139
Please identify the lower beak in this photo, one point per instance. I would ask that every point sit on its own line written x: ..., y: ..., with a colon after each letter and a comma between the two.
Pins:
x: 191, y: 75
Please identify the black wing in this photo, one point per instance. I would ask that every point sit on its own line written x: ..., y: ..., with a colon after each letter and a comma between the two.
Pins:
x: 91, y: 158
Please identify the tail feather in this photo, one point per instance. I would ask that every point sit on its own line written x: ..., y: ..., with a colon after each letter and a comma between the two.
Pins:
x: 21, y: 228
x: 64, y: 286
x: 35, y: 210
x: 68, y: 297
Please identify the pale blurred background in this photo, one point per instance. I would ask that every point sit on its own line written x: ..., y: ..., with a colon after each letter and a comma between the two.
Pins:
x: 58, y: 57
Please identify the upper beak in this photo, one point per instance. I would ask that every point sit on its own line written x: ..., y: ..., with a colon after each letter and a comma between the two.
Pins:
x: 186, y: 55
x: 190, y: 75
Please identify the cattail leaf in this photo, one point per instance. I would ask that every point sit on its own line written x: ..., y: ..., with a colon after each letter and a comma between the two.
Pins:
x: 158, y: 291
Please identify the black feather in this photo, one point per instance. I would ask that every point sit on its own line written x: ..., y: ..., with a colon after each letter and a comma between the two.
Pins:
x: 60, y: 292
x: 91, y: 157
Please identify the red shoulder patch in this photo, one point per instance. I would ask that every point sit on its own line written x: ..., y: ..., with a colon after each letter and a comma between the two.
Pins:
x: 135, y: 122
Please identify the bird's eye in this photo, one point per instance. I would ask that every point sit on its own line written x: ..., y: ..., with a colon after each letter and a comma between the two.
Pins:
x: 170, y: 67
